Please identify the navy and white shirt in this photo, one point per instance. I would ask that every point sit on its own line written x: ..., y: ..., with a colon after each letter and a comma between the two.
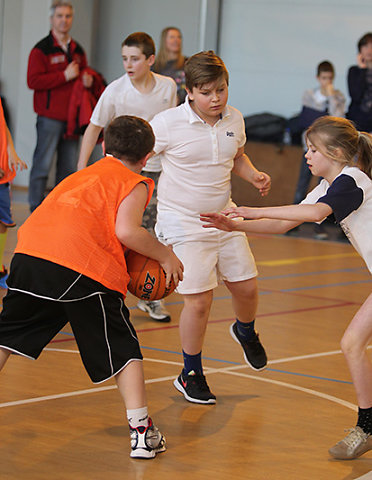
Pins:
x: 350, y: 197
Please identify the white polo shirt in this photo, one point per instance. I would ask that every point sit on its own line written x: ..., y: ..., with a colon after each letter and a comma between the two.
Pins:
x: 197, y: 160
x: 350, y: 197
x: 120, y: 97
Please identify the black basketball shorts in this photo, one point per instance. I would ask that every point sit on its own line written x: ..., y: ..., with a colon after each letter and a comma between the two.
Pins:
x: 43, y: 297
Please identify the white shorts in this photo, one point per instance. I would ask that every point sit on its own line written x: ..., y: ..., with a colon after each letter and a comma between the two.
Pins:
x: 211, y: 257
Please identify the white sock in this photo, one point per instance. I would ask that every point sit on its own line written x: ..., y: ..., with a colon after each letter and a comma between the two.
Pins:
x: 138, y: 417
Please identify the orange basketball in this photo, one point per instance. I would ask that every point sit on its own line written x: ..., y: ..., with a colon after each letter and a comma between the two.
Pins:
x: 147, y: 277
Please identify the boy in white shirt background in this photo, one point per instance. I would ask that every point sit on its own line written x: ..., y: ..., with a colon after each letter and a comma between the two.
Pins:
x: 141, y: 93
x: 322, y: 100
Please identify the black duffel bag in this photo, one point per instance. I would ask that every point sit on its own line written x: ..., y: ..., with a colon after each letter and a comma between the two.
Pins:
x: 265, y: 127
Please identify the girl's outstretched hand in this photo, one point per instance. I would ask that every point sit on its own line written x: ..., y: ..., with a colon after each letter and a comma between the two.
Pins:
x: 235, y: 212
x: 243, y: 212
x: 217, y: 220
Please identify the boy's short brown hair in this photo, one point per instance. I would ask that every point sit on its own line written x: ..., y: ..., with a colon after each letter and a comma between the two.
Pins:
x: 141, y: 40
x: 129, y: 138
x: 325, y: 66
x: 204, y: 67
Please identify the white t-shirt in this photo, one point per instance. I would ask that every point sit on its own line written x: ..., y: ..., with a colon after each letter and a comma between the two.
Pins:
x: 197, y: 160
x: 120, y: 97
x: 350, y: 197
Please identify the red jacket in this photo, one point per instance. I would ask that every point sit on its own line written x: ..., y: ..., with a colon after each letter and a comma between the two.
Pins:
x: 82, y: 103
x: 45, y: 75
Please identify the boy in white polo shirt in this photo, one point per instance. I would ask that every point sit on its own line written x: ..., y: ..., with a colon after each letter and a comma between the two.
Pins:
x: 143, y: 94
x: 201, y: 142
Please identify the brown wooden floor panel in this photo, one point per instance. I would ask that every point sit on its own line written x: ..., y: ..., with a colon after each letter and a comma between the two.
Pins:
x: 271, y: 425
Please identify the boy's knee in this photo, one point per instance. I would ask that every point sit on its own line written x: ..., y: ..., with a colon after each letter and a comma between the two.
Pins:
x: 198, y: 304
x: 247, y: 289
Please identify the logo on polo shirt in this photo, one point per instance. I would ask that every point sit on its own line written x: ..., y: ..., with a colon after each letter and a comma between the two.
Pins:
x: 230, y: 134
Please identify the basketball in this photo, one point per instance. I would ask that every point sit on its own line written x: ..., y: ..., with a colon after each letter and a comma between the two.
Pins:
x: 147, y: 277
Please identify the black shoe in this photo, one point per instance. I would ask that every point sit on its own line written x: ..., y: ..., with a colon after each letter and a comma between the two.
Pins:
x: 194, y: 388
x: 254, y: 352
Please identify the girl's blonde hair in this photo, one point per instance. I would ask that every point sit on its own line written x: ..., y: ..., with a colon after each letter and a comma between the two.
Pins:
x: 162, y: 56
x: 338, y: 139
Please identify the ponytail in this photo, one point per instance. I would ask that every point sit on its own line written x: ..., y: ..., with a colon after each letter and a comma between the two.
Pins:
x: 365, y: 153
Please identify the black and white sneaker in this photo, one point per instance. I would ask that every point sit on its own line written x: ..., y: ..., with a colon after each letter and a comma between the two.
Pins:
x: 146, y: 442
x: 194, y: 388
x: 254, y: 352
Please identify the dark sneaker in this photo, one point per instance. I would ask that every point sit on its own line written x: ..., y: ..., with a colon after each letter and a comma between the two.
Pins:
x: 352, y: 446
x: 254, y: 352
x: 146, y: 442
x: 194, y: 388
x: 155, y: 309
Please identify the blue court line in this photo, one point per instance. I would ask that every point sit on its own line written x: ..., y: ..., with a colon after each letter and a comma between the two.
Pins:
x: 228, y: 362
x: 269, y: 369
x: 309, y: 376
x: 341, y: 284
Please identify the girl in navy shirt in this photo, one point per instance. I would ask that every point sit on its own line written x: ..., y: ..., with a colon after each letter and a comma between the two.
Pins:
x: 343, y: 157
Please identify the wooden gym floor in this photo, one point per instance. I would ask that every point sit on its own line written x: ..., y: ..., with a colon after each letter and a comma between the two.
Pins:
x: 273, y: 425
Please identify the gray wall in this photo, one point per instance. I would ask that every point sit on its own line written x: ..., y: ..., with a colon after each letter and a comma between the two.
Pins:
x: 271, y: 47
x: 197, y: 20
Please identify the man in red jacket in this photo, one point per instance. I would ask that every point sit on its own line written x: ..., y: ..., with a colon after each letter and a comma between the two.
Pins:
x: 53, y: 66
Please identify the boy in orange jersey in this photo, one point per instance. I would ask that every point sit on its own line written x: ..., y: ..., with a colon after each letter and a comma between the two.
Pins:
x: 69, y: 266
x: 9, y: 163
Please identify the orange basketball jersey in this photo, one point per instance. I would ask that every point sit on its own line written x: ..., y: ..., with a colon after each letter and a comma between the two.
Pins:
x: 4, y: 164
x: 75, y: 225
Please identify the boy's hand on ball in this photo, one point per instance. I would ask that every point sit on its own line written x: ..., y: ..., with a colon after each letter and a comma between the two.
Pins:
x: 173, y: 268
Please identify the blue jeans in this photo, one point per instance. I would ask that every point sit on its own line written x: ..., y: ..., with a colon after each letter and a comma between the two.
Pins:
x: 303, y: 181
x: 49, y: 141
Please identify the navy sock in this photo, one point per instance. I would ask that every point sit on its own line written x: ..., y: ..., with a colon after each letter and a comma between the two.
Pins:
x: 365, y: 419
x: 245, y: 330
x: 192, y: 362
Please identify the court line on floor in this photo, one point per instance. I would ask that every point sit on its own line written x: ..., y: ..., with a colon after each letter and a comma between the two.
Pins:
x: 367, y: 476
x: 293, y: 261
x: 224, y: 320
x: 226, y: 370
x: 261, y: 315
x: 363, y: 270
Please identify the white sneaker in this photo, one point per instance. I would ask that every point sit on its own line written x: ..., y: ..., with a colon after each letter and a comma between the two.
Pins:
x: 146, y: 442
x: 353, y: 445
x: 155, y: 309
